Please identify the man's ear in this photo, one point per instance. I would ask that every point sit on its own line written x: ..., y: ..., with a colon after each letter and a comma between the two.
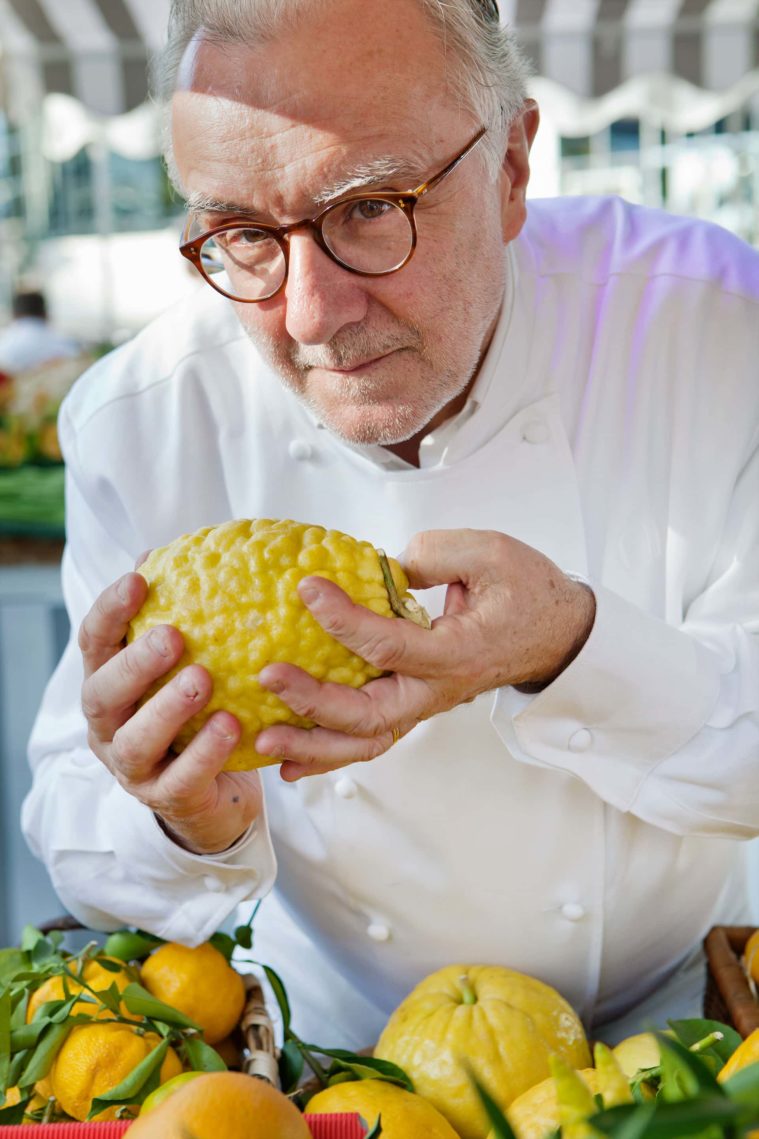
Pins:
x: 515, y: 173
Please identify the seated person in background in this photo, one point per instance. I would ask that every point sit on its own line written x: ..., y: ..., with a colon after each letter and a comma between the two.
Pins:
x: 561, y: 396
x: 30, y: 340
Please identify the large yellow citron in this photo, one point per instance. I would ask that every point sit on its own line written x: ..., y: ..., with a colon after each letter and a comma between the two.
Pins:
x: 404, y: 1116
x: 498, y: 1023
x: 199, y: 982
x: 95, y: 1058
x: 231, y: 591
x: 223, y: 1105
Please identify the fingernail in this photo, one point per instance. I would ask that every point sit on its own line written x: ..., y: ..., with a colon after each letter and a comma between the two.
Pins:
x: 160, y: 642
x: 123, y: 590
x: 187, y: 685
x: 309, y: 593
x: 221, y: 731
x: 274, y: 685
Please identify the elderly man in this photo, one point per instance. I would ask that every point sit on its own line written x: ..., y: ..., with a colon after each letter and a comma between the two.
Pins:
x: 552, y: 410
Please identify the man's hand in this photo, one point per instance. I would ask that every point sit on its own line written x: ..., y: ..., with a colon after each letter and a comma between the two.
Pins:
x: 203, y: 808
x: 511, y: 618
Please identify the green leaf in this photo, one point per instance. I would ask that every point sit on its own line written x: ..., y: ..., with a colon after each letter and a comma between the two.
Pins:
x: 25, y: 1037
x: 376, y: 1130
x: 30, y: 935
x: 668, y: 1120
x: 244, y: 936
x: 690, y: 1031
x: 15, y: 1114
x: 127, y: 945
x: 225, y: 944
x: 291, y: 1065
x: 364, y: 1067
x: 280, y: 992
x: 5, y: 1038
x: 142, y: 1003
x: 497, y: 1120
x: 743, y: 1087
x: 12, y: 961
x: 683, y: 1074
x: 201, y: 1056
x: 634, y: 1123
x: 43, y: 1055
x: 133, y: 1088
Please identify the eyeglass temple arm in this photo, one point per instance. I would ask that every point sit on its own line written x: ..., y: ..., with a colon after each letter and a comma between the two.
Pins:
x: 426, y: 186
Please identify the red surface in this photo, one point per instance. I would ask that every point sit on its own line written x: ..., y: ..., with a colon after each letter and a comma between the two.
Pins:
x: 321, y: 1127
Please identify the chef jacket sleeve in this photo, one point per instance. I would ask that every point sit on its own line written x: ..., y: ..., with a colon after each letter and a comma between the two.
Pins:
x: 662, y: 719
x: 108, y: 859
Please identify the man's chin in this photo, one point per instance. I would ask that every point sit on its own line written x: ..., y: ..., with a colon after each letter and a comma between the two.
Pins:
x: 362, y: 429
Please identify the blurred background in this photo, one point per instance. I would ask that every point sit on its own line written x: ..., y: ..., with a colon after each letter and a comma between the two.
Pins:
x: 655, y: 100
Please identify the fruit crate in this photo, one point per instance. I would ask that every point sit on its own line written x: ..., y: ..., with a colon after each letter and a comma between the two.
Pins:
x: 728, y: 996
x: 320, y: 1126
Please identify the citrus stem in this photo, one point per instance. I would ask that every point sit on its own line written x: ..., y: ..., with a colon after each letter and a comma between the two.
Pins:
x: 467, y: 992
x: 702, y: 1045
x: 402, y: 607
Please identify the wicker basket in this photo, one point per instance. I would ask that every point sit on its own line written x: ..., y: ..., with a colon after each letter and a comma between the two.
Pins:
x: 727, y: 996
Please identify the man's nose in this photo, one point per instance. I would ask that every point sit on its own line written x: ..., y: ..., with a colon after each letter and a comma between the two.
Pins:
x: 321, y: 297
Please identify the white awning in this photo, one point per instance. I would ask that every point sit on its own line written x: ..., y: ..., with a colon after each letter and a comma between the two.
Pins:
x: 94, y: 50
x: 681, y: 63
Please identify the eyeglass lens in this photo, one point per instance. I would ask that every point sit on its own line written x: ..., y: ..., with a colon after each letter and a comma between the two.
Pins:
x: 370, y: 235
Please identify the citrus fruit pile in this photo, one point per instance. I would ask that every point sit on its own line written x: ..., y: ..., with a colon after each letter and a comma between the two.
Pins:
x: 92, y: 1034
x: 231, y: 591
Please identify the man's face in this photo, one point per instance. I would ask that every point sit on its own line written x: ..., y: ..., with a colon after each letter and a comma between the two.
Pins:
x: 279, y: 131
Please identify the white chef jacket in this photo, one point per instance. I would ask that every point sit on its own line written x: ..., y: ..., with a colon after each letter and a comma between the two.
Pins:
x: 588, y: 835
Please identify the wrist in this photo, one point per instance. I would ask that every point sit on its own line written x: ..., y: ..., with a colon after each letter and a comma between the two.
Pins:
x: 583, y: 615
x: 194, y: 844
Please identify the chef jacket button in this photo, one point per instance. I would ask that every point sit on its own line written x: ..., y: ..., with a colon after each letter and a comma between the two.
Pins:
x: 346, y: 787
x: 300, y: 449
x: 211, y: 882
x: 573, y: 911
x: 378, y: 931
x: 581, y: 740
x: 535, y: 431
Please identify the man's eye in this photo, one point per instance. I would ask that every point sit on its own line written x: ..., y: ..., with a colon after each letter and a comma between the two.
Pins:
x: 369, y: 209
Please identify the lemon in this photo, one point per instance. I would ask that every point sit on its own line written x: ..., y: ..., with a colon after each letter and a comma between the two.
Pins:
x: 199, y: 982
x: 638, y: 1051
x: 498, y: 1023
x: 97, y: 977
x: 94, y: 1058
x: 535, y: 1113
x: 231, y: 591
x: 404, y: 1115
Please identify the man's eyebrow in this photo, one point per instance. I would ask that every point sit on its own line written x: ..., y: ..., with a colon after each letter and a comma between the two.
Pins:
x: 365, y: 176
x: 371, y: 175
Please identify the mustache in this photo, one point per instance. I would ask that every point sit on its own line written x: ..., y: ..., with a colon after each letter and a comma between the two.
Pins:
x: 351, y: 347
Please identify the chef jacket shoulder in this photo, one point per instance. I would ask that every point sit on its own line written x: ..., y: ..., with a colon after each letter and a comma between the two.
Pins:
x: 595, y: 238
x: 196, y: 332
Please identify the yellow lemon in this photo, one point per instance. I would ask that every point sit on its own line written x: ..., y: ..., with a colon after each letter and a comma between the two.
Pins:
x: 535, y: 1113
x: 200, y: 983
x: 636, y: 1052
x: 746, y: 1053
x: 501, y: 1024
x: 231, y: 591
x: 404, y: 1115
x: 750, y: 959
x: 163, y: 1091
x: 97, y: 977
x: 95, y: 1058
x: 223, y: 1105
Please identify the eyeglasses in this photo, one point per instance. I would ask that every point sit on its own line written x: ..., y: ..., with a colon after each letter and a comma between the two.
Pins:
x: 368, y: 234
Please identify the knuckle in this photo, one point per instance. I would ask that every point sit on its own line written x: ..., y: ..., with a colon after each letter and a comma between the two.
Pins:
x: 383, y: 650
x: 126, y: 752
x: 93, y: 706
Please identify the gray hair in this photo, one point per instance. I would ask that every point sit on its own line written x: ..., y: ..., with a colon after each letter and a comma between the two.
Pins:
x: 490, y: 77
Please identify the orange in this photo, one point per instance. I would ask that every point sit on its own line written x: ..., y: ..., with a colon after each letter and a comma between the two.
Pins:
x: 223, y: 1104
x: 404, y: 1115
x: 96, y: 976
x: 95, y: 1058
x: 200, y: 983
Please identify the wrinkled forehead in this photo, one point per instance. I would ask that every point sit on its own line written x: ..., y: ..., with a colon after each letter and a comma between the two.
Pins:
x: 331, y: 93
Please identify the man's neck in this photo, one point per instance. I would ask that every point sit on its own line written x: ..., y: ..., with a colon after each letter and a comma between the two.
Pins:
x: 408, y: 450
